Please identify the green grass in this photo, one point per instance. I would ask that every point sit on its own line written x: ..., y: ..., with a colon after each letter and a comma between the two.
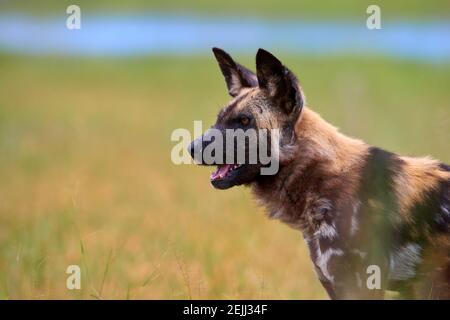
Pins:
x: 86, y: 176
x: 293, y: 8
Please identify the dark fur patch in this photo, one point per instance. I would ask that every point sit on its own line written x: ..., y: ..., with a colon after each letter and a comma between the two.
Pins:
x: 378, y: 205
x: 378, y: 176
x: 376, y: 191
x: 444, y: 167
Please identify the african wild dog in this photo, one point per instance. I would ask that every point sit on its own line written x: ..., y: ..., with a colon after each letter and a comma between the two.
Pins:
x: 356, y: 205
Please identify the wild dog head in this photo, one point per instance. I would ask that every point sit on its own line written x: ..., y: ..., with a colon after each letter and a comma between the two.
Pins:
x: 270, y: 99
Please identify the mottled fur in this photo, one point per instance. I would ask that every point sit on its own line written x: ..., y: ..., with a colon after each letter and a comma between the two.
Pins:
x: 358, y: 206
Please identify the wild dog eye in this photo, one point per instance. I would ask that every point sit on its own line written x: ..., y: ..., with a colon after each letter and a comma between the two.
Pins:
x: 244, y: 120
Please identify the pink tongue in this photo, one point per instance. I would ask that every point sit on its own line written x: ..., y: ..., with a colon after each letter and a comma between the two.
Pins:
x: 221, y: 172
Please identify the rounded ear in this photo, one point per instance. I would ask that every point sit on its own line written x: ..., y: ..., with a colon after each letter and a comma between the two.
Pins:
x: 236, y: 76
x: 279, y: 81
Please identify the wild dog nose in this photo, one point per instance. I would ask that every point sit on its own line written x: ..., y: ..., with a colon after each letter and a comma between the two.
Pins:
x: 197, y: 147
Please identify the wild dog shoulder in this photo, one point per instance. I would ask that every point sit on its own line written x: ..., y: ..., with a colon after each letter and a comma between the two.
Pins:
x: 416, y: 181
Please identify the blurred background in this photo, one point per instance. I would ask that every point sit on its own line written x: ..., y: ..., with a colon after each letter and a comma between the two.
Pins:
x: 86, y: 117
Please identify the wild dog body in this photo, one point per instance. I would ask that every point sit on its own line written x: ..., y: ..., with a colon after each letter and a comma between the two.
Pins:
x: 356, y: 205
x: 359, y: 206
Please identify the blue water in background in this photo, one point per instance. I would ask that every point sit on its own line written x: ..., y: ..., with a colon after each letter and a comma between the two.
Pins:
x: 164, y: 34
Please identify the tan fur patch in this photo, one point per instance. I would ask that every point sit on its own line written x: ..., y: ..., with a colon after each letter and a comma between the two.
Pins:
x: 328, y: 142
x: 417, y: 177
x: 237, y: 102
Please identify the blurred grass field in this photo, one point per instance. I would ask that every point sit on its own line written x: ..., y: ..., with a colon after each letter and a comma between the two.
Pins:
x: 354, y: 9
x: 86, y: 176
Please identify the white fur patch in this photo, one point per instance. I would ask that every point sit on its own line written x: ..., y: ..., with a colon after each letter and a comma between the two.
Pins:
x: 403, y: 261
x: 445, y: 210
x: 323, y: 259
x: 326, y: 231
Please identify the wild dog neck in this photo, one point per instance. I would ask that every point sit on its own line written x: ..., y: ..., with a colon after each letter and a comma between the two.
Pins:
x: 319, y: 173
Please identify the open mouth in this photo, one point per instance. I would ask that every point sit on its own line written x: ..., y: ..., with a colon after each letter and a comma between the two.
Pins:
x: 224, y: 171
